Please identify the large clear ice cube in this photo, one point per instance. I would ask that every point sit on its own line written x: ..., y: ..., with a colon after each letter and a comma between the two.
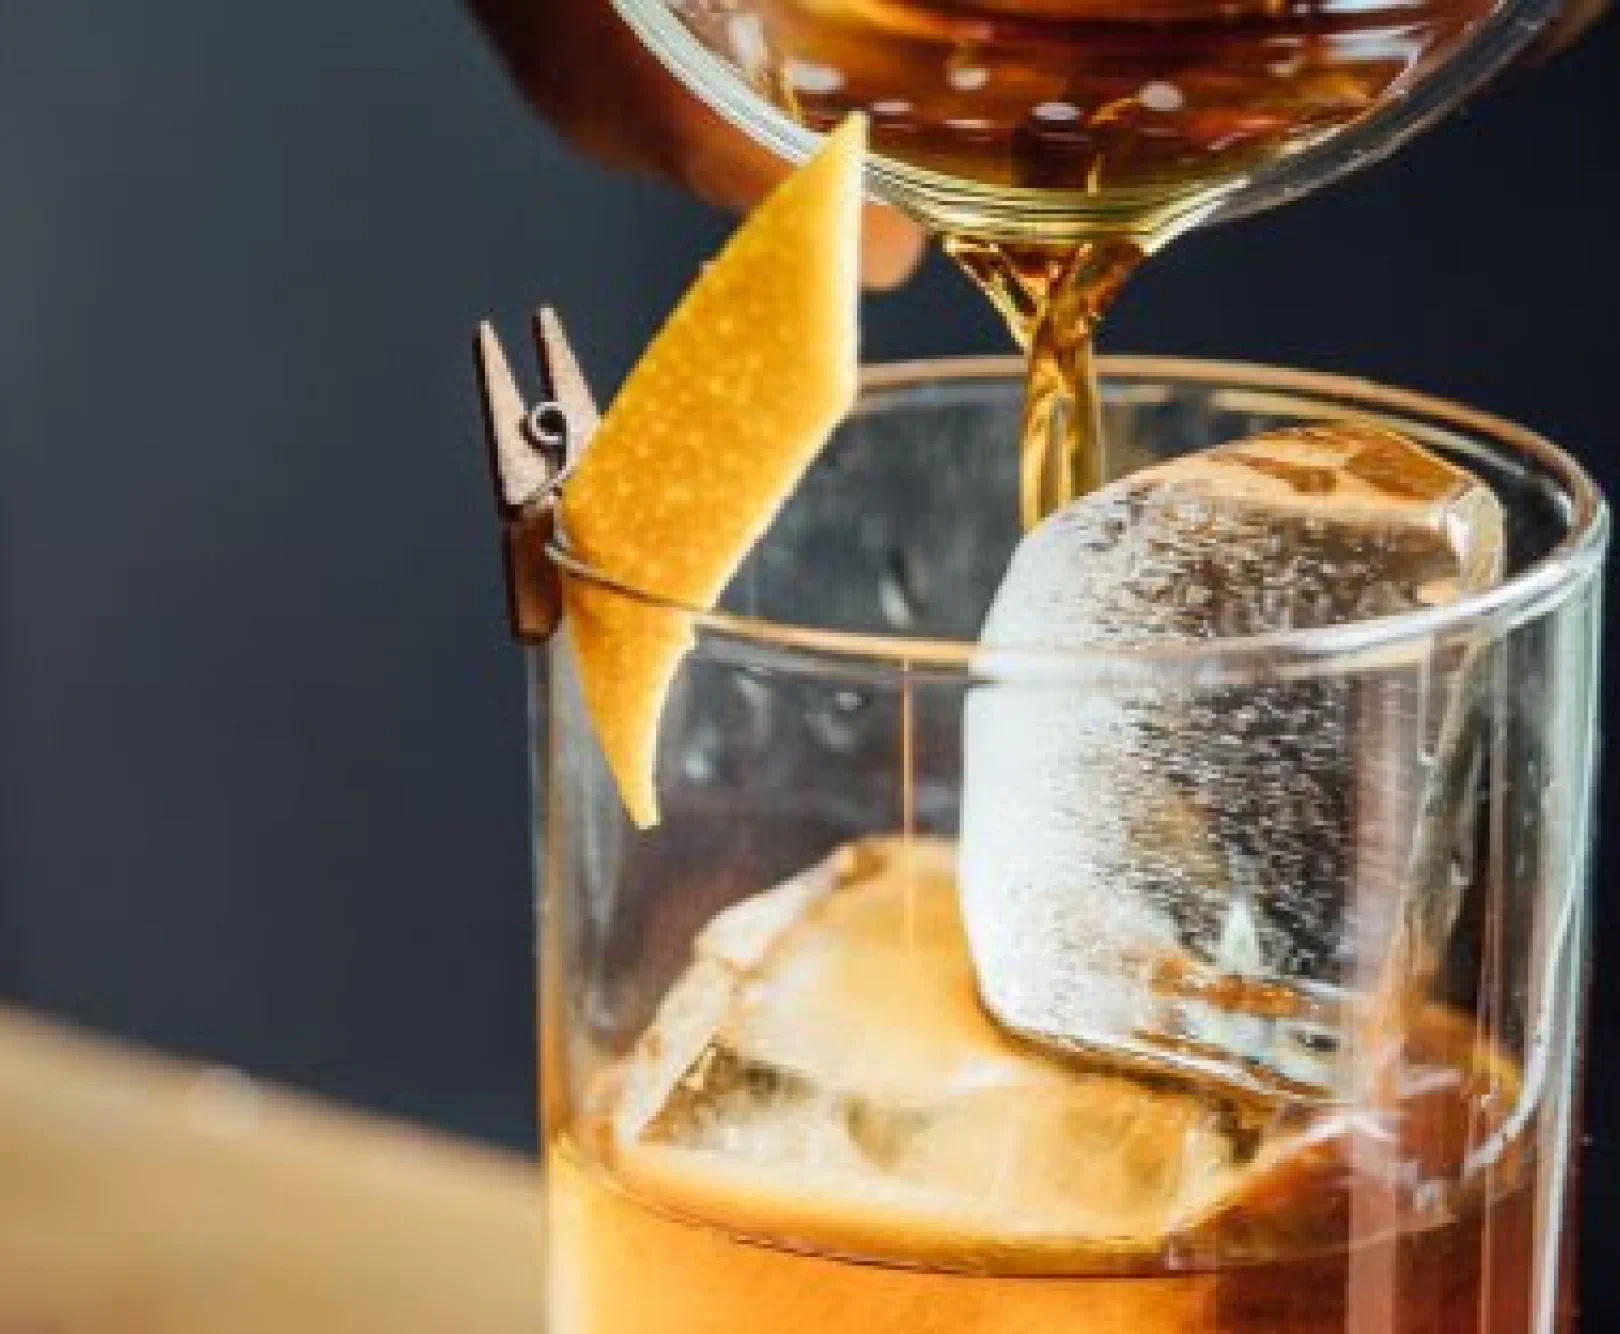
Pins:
x: 1225, y: 871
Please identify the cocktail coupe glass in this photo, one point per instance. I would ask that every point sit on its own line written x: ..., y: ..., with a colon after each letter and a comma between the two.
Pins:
x: 1053, y: 144
x: 770, y: 1098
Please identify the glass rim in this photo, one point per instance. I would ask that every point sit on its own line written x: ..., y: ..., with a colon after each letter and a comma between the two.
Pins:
x: 1534, y: 590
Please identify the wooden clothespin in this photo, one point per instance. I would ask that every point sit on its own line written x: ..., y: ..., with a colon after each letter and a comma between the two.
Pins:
x: 531, y: 451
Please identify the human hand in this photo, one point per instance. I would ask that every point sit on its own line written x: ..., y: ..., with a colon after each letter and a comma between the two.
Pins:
x: 588, y: 74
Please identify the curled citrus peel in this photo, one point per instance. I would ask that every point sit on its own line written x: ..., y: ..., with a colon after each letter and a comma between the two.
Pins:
x: 704, y: 443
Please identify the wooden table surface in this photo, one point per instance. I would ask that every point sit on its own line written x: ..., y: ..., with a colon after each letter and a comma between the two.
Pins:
x: 142, y: 1195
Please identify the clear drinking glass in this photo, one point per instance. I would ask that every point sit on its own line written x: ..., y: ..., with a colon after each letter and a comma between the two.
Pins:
x: 771, y: 1097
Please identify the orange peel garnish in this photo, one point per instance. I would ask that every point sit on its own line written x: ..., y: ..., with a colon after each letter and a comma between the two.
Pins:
x: 712, y: 430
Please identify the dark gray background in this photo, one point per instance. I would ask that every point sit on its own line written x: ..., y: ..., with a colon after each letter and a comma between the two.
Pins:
x: 262, y: 771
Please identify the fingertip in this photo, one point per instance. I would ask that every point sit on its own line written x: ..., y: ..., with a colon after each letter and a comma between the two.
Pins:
x: 892, y: 246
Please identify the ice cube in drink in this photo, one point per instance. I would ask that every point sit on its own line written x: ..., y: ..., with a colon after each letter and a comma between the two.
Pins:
x: 1240, y: 867
x: 823, y: 1129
